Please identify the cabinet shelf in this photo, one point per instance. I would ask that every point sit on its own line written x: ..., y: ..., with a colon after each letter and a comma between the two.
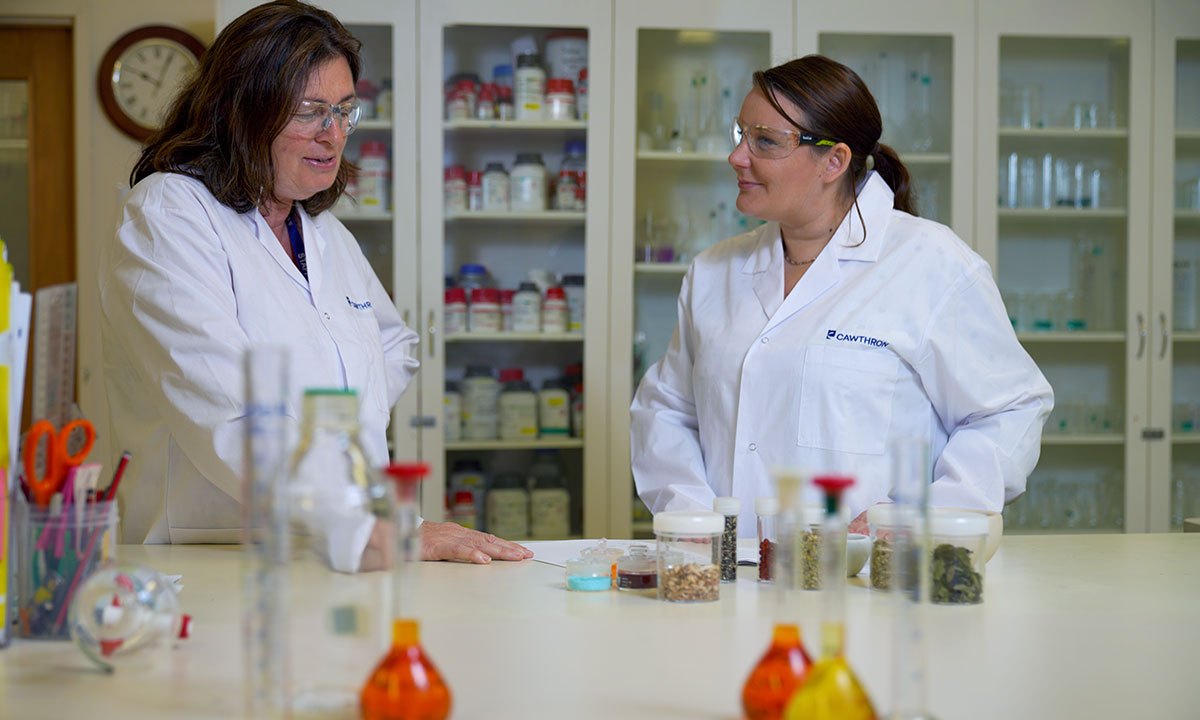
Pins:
x: 1077, y: 336
x: 566, y: 443
x: 1188, y: 215
x: 925, y: 158
x: 668, y: 156
x: 469, y: 337
x: 374, y: 124
x: 551, y: 217
x: 362, y: 216
x: 1059, y: 133
x: 651, y: 268
x: 1190, y: 135
x: 1060, y: 213
x: 1091, y: 439
x: 508, y: 125
x: 1181, y: 438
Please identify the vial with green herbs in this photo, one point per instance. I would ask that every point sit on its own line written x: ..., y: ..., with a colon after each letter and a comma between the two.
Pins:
x: 958, y: 540
x: 729, y: 507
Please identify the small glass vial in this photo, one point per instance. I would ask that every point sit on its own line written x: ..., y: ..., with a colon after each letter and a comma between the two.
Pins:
x: 728, y: 508
x: 554, y: 410
x: 806, y: 550
x: 766, y: 510
x: 454, y: 316
x: 527, y: 308
x: 484, y: 315
x: 638, y: 571
x: 518, y: 406
x: 455, y: 190
x: 474, y: 191
x: 555, y: 311
x: 453, y: 414
x: 590, y: 572
x: 495, y: 188
x: 688, y: 546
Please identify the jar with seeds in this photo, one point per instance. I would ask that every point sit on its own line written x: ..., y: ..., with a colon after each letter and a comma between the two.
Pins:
x: 728, y: 508
x: 688, y: 547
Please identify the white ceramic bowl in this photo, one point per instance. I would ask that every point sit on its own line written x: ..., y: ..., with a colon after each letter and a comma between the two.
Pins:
x: 858, y: 549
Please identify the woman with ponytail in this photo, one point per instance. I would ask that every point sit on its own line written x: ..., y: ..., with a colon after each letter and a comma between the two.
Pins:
x: 842, y: 324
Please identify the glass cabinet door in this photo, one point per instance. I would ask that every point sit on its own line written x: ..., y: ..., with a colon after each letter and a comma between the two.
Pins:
x: 514, y: 276
x: 1063, y: 211
x: 14, y: 176
x: 674, y: 191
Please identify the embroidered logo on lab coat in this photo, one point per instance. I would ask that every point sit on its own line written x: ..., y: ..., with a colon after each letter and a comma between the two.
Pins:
x: 365, y: 305
x: 863, y: 339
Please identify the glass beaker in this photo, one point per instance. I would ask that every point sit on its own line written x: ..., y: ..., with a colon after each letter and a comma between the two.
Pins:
x: 1029, y: 106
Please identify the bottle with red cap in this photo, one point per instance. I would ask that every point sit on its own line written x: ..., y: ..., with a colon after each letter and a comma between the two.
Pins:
x: 454, y: 190
x: 484, y: 314
x: 373, y: 176
x: 454, y: 315
x: 555, y: 311
x: 506, y: 309
x: 474, y: 190
x: 405, y: 683
x: 560, y: 99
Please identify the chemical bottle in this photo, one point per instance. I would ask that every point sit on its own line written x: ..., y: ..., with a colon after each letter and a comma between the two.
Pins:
x: 508, y: 506
x: 527, y: 308
x: 454, y: 315
x: 334, y: 500
x: 480, y: 404
x: 832, y: 691
x: 554, y: 410
x: 518, y: 407
x: 373, y: 176
x: 453, y: 415
x: 555, y: 311
x: 549, y: 501
x: 405, y: 685
x: 467, y: 477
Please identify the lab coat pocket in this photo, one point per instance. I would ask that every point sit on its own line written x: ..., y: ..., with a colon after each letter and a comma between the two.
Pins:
x: 846, y: 399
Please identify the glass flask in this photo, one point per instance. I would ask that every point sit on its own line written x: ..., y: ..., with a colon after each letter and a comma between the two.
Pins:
x: 831, y: 690
x: 336, y: 547
x: 405, y: 685
x: 778, y: 674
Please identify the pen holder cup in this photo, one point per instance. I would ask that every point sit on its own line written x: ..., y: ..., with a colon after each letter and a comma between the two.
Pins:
x: 55, y: 554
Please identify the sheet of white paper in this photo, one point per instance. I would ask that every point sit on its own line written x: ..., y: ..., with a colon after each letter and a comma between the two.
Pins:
x: 558, y: 552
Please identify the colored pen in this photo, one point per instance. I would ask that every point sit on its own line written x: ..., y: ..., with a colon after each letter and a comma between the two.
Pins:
x: 111, y: 492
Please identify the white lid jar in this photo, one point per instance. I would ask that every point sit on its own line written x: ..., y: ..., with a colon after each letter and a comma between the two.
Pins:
x: 688, y: 546
x: 495, y: 188
x: 958, y: 540
x: 560, y: 99
x: 454, y: 194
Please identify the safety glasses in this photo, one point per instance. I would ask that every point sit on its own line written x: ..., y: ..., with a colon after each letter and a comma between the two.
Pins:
x: 318, y: 116
x: 772, y: 143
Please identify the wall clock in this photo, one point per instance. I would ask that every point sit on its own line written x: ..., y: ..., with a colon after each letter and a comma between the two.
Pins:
x: 140, y: 74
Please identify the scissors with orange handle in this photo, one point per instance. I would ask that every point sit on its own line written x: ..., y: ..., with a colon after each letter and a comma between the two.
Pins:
x: 58, y: 460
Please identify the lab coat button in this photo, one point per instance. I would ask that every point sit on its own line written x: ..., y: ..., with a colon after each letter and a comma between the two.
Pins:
x: 327, y: 316
x: 765, y: 341
x: 753, y: 447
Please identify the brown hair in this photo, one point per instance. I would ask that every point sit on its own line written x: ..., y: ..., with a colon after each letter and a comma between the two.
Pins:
x: 839, y: 107
x: 220, y: 128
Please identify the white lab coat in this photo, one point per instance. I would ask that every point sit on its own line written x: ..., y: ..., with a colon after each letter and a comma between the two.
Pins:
x: 902, y: 335
x: 186, y: 286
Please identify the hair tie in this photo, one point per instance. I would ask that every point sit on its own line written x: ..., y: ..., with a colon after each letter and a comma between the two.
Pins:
x: 870, y: 163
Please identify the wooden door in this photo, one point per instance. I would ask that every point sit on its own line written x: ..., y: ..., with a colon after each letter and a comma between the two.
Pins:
x: 37, y: 176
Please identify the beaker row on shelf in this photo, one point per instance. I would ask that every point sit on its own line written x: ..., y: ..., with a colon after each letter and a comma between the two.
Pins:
x: 1185, y: 494
x: 1185, y: 417
x: 1082, y: 418
x: 1060, y: 311
x: 1077, y: 502
x: 1044, y: 181
x: 1021, y: 106
x: 666, y: 238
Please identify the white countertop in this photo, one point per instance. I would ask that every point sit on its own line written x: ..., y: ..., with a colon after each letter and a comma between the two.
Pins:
x: 1099, y: 626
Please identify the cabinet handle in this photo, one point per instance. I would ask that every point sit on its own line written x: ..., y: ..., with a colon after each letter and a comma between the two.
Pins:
x: 432, y: 331
x: 1141, y: 336
x: 1162, y: 319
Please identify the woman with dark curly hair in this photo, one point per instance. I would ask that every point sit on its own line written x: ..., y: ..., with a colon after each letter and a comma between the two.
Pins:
x: 225, y: 243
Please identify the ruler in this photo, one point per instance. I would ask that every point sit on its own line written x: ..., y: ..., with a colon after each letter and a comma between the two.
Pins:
x: 54, y: 309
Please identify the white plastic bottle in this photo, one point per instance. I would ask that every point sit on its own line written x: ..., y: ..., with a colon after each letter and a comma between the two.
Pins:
x: 527, y: 308
x: 453, y: 412
x: 508, y: 506
x: 518, y: 406
x: 484, y: 314
x: 527, y: 183
x: 572, y: 285
x: 373, y: 176
x: 495, y: 188
x: 529, y: 87
x: 549, y: 502
x: 454, y: 316
x: 480, y: 404
x: 554, y: 410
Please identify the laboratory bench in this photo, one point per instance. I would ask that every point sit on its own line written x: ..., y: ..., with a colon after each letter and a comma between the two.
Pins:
x: 1097, y: 626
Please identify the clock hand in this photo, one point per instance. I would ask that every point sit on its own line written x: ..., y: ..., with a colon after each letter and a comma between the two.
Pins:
x: 140, y: 74
x: 163, y: 73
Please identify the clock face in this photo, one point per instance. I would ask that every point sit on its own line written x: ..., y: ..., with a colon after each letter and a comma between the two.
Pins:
x: 147, y: 75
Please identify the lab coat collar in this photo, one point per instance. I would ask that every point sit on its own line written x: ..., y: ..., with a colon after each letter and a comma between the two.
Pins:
x: 766, y: 261
x: 314, y: 246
